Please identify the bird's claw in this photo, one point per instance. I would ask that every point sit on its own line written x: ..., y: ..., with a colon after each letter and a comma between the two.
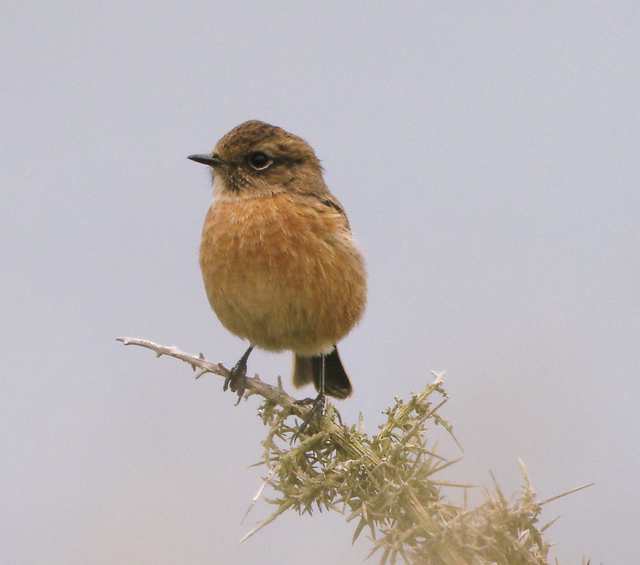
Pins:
x: 318, y: 410
x: 236, y: 379
x: 305, y: 401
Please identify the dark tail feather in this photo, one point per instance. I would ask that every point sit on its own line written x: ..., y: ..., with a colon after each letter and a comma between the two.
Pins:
x: 302, y: 371
x: 308, y: 369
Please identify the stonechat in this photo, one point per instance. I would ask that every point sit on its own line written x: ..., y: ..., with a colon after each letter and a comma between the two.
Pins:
x: 279, y: 264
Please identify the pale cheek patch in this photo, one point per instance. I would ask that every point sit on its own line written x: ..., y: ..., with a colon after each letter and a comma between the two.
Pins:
x: 219, y: 185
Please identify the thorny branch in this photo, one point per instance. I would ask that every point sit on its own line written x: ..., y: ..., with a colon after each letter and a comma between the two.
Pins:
x: 385, y: 481
x: 279, y: 397
x: 254, y: 385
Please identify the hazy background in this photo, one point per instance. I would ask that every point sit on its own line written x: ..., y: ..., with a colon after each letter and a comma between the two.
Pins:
x: 487, y: 154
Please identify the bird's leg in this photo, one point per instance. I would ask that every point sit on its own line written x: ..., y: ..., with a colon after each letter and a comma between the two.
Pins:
x: 321, y: 399
x: 236, y: 378
x: 319, y: 408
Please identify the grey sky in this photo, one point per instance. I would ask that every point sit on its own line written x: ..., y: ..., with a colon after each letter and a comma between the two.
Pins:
x: 487, y: 154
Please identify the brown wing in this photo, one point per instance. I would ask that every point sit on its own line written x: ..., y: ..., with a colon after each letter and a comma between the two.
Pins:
x: 329, y: 200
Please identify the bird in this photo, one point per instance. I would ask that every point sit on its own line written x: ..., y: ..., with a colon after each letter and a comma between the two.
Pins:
x: 279, y: 263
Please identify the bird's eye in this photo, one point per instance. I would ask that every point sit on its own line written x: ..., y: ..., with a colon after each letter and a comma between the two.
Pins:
x: 259, y: 161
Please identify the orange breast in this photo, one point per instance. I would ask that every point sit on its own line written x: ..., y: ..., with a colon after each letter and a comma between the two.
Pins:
x: 282, y: 272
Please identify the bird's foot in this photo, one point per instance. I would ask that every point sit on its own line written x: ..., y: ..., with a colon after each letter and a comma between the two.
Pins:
x: 236, y: 379
x: 318, y: 410
x: 305, y: 401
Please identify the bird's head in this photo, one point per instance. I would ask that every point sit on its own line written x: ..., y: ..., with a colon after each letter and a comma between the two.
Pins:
x: 256, y: 158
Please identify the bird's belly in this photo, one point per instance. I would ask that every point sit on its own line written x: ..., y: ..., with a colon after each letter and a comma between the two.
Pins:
x: 279, y: 277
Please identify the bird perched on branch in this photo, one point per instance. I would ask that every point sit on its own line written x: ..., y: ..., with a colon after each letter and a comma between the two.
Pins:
x: 279, y: 264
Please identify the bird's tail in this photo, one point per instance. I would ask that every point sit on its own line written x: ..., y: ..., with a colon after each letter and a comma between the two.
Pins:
x: 309, y: 369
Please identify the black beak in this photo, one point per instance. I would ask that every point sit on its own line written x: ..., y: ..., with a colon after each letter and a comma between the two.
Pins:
x: 211, y: 160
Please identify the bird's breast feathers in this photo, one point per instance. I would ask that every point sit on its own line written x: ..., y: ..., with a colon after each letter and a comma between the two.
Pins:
x: 282, y: 271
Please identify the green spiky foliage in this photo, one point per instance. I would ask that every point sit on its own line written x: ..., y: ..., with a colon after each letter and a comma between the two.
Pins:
x: 388, y: 486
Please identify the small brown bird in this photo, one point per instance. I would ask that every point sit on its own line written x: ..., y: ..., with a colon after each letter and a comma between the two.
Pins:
x: 280, y: 267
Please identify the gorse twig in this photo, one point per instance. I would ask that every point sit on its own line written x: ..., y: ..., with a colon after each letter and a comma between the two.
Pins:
x: 385, y: 483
